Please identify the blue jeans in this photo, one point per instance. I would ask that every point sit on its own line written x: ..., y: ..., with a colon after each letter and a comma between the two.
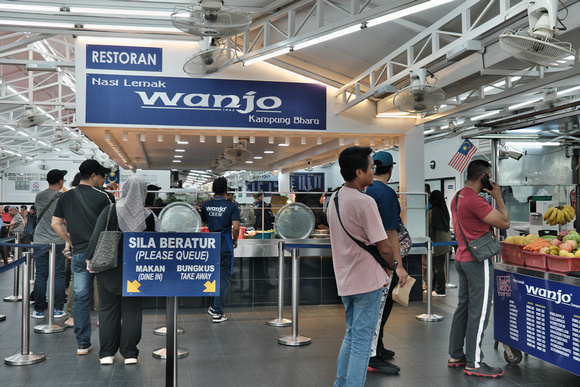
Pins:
x: 41, y: 263
x: 219, y: 302
x: 83, y: 298
x: 361, y: 316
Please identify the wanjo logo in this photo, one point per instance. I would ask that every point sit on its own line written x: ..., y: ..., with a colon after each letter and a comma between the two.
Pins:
x: 549, y: 295
x: 124, y: 58
x: 504, y: 286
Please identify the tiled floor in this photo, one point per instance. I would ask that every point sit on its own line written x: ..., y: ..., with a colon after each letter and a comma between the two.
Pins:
x: 244, y: 352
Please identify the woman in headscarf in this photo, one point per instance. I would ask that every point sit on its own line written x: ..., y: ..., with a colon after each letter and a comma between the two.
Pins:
x: 439, y: 232
x: 121, y: 317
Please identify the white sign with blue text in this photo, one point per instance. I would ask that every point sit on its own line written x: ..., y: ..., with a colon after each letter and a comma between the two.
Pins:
x: 171, y: 264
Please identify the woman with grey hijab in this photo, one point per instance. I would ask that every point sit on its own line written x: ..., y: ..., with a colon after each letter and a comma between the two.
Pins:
x: 120, y: 317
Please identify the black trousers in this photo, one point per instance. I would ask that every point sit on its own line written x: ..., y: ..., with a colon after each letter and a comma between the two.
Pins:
x: 386, y: 313
x: 439, y: 274
x: 120, y: 321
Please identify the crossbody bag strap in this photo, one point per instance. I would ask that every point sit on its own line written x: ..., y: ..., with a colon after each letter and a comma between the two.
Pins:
x: 340, y: 220
x: 84, y: 204
x: 457, y: 215
x: 109, y: 216
x: 47, y: 207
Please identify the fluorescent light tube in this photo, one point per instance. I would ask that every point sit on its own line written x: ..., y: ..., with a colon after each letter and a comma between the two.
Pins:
x: 406, y: 12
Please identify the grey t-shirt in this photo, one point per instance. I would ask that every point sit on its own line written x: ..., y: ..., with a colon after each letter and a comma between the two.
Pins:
x: 18, y: 226
x: 44, y: 232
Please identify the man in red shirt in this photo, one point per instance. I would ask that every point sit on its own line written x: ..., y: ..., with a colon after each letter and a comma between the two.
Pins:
x: 475, y: 278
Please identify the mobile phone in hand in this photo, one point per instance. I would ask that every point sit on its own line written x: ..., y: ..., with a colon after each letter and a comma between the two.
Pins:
x: 486, y: 183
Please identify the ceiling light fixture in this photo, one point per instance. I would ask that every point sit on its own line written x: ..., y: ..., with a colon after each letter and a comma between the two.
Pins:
x: 372, y: 143
x: 341, y: 141
x: 142, y: 137
x: 159, y: 138
x: 125, y: 136
x: 566, y: 91
x: 268, y: 151
x: 177, y: 137
x: 236, y: 139
x: 270, y: 55
x: 183, y: 142
x: 202, y: 138
x: 178, y: 156
x: 68, y: 26
x: 477, y: 118
x: 218, y: 138
x: 271, y: 140
x: 303, y: 140
x: 319, y: 140
x: 356, y: 141
x: 252, y: 139
x: 180, y: 150
x: 519, y: 105
x: 258, y: 157
x: 176, y: 161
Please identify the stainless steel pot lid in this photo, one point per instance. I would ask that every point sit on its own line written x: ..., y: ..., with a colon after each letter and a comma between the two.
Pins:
x: 294, y: 221
x: 179, y: 217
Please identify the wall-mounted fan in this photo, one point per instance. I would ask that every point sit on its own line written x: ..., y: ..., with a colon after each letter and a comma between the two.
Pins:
x: 59, y: 137
x: 550, y: 99
x: 537, y: 45
x: 43, y: 166
x: 31, y: 118
x: 238, y: 152
x: 210, y: 58
x: 419, y: 97
x: 76, y: 148
x: 210, y: 19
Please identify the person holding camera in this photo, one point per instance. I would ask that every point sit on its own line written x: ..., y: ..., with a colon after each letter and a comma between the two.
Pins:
x: 475, y: 277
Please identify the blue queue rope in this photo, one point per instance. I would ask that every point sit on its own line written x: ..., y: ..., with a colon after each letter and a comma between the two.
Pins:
x: 18, y: 261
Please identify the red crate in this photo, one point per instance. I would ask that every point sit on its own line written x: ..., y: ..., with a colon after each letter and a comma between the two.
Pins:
x: 563, y: 264
x: 536, y: 260
x: 512, y: 253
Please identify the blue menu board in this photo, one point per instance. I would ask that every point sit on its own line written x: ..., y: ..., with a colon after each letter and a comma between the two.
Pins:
x: 538, y: 317
x: 171, y: 264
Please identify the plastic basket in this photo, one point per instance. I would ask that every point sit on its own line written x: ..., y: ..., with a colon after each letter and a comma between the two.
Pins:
x: 512, y: 253
x: 563, y: 264
x: 537, y: 260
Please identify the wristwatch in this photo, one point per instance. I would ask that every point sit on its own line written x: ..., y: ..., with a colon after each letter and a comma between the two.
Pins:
x: 395, y: 265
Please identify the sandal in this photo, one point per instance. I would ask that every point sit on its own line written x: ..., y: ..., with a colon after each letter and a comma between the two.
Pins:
x: 456, y: 363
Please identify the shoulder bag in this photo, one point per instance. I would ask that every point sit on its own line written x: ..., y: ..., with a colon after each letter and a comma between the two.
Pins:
x: 105, y: 256
x: 44, y: 211
x: 372, y: 249
x: 483, y: 247
x: 405, y: 242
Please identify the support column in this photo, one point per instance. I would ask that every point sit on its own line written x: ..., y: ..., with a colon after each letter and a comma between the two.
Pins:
x: 412, y: 179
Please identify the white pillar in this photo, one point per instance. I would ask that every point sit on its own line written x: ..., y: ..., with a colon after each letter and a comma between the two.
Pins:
x: 412, y: 180
x: 283, y: 182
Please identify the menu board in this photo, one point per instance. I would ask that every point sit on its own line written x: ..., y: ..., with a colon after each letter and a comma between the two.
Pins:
x: 306, y: 181
x: 538, y: 317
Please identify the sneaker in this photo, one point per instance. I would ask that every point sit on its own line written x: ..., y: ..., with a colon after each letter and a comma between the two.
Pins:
x: 107, y: 360
x: 456, y: 363
x: 378, y: 365
x: 484, y: 371
x: 59, y: 313
x: 435, y: 294
x: 387, y: 354
x: 130, y: 360
x: 211, y: 311
x: 36, y: 314
x: 84, y: 349
x: 218, y: 318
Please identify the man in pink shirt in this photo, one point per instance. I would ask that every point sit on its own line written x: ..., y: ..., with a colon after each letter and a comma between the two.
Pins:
x: 476, y: 218
x: 360, y: 276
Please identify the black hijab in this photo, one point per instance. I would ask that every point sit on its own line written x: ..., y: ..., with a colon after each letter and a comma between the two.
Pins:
x: 440, y: 213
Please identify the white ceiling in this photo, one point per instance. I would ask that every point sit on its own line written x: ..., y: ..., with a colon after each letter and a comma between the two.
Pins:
x: 359, y: 64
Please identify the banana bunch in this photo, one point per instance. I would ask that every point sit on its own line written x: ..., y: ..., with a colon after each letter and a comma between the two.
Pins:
x: 559, y: 215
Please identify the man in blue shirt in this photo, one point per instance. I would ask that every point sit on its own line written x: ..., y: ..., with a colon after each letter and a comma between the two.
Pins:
x: 390, y: 210
x: 220, y: 215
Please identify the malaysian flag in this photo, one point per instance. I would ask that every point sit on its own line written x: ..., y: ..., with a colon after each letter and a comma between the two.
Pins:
x: 462, y: 156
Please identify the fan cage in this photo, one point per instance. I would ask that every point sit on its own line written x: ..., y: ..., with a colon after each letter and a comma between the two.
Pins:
x: 221, y: 23
x: 199, y: 64
x: 552, y: 53
x: 408, y: 100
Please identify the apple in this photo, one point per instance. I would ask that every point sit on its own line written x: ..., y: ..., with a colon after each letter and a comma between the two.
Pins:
x: 566, y: 246
x: 572, y: 243
x: 555, y: 242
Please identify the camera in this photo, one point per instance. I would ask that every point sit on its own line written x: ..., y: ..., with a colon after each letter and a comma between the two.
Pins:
x: 514, y: 154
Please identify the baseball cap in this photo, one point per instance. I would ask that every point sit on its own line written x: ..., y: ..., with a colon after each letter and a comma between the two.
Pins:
x: 384, y: 158
x: 14, y: 208
x: 88, y: 167
x: 54, y: 175
x: 153, y: 187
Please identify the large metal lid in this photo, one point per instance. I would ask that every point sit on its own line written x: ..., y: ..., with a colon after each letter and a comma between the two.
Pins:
x: 180, y: 217
x: 294, y: 221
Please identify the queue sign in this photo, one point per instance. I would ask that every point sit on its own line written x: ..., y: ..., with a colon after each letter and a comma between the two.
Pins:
x: 171, y: 264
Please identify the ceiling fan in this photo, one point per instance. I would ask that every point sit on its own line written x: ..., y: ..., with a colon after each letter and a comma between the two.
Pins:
x: 537, y: 45
x: 550, y: 99
x: 211, y: 58
x: 238, y: 152
x: 31, y: 118
x: 209, y: 18
x: 419, y: 97
x: 76, y: 148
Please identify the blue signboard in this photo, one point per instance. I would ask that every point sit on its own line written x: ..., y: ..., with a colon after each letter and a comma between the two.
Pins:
x: 124, y: 58
x: 306, y: 181
x: 538, y: 317
x: 146, y: 100
x: 171, y: 264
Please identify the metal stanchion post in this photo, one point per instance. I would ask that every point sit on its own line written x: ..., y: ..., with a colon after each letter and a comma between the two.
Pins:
x: 295, y: 340
x: 162, y: 331
x: 429, y: 316
x: 171, y: 343
x: 171, y: 309
x: 51, y: 327
x: 2, y: 317
x: 448, y: 284
x: 280, y: 321
x: 25, y: 357
x: 15, y: 297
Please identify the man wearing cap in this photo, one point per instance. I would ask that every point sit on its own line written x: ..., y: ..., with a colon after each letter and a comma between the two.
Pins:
x: 390, y: 210
x: 45, y: 203
x: 80, y: 208
x: 220, y: 215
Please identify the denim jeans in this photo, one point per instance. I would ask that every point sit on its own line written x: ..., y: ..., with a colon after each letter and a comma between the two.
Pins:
x: 225, y: 277
x: 41, y: 263
x: 361, y: 316
x: 83, y: 298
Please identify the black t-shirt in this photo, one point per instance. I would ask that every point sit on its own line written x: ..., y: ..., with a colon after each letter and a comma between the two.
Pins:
x: 80, y: 223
